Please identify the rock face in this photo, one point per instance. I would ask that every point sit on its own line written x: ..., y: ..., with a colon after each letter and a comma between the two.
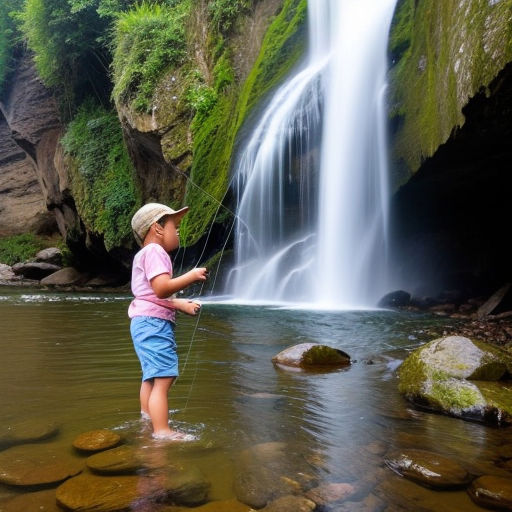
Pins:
x: 429, y: 469
x: 459, y: 377
x: 311, y: 356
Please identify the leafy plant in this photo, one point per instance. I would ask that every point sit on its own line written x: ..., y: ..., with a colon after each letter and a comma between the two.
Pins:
x: 102, y: 173
x: 9, y: 36
x: 223, y: 13
x: 14, y: 249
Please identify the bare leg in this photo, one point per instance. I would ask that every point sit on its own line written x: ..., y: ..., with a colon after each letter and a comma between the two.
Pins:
x: 158, y: 404
x: 145, y: 392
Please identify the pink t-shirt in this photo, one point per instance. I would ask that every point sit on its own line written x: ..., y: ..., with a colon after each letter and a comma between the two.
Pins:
x: 149, y: 262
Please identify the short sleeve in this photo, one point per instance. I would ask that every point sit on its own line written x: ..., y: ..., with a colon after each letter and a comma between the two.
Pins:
x: 157, y: 262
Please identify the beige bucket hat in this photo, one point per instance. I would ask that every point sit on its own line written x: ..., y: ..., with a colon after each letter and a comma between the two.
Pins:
x: 149, y: 213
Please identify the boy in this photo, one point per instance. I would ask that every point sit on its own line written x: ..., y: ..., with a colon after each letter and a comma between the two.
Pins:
x: 153, y: 312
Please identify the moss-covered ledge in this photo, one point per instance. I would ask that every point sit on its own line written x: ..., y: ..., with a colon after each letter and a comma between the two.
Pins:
x: 460, y: 377
x: 441, y: 54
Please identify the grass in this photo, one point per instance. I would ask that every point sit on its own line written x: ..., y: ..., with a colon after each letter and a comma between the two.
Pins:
x: 18, y: 248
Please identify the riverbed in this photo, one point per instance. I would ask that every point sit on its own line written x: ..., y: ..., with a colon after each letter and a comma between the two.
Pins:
x: 68, y: 358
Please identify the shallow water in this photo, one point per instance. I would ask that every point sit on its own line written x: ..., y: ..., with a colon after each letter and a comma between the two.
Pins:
x: 69, y: 358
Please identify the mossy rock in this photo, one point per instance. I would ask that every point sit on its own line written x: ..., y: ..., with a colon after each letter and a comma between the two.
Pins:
x: 36, y: 464
x: 428, y: 469
x: 96, y: 440
x: 459, y: 377
x: 311, y: 356
x: 492, y: 492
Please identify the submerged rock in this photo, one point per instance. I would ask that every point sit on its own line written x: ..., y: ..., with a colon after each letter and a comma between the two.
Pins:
x: 96, y: 440
x: 458, y: 376
x: 428, y: 468
x: 26, y: 431
x: 36, y: 464
x: 492, y: 492
x: 40, y: 501
x: 311, y: 356
x: 326, y: 494
x: 290, y: 504
x: 120, y: 460
x: 224, y: 506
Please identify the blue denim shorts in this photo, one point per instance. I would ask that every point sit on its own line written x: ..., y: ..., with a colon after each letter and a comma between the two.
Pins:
x: 154, y: 343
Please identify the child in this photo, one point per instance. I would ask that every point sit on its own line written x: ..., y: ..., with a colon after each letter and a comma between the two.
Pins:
x: 152, y: 312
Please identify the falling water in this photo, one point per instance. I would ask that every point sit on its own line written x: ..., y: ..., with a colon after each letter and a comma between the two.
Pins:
x: 311, y: 183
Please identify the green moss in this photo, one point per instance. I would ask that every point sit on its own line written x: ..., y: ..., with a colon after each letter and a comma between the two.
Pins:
x: 321, y: 355
x: 454, y: 395
x: 442, y: 53
x: 18, y: 248
x: 149, y: 39
x: 215, y: 133
x: 101, y: 174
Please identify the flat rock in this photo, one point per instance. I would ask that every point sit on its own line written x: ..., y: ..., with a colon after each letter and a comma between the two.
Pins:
x: 311, y: 355
x: 492, y: 492
x: 65, y: 276
x: 36, y: 464
x: 459, y: 377
x: 26, y: 431
x: 41, y: 501
x: 428, y: 468
x: 120, y: 460
x: 326, y: 494
x: 34, y: 269
x: 99, y: 494
x: 96, y: 440
x: 290, y: 504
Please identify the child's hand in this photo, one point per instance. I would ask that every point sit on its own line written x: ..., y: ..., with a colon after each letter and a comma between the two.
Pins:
x: 191, y: 307
x: 199, y: 274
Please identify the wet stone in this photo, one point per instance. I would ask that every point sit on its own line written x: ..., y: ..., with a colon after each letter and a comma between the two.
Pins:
x: 99, y: 494
x: 330, y: 493
x: 120, y: 460
x: 428, y: 468
x: 369, y: 504
x: 505, y: 451
x: 96, y: 440
x: 492, y: 492
x: 311, y: 356
x: 26, y: 431
x: 223, y: 506
x: 36, y: 464
x: 290, y: 504
x: 41, y: 501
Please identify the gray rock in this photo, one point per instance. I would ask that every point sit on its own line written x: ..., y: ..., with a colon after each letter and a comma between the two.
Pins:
x: 51, y: 255
x: 34, y: 269
x: 65, y: 276
x: 6, y: 273
x: 311, y: 356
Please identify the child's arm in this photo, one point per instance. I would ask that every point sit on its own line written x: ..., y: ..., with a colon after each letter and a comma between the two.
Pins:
x: 190, y: 307
x: 164, y: 286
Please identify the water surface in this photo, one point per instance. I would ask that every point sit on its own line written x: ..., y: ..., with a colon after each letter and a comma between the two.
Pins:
x: 69, y: 358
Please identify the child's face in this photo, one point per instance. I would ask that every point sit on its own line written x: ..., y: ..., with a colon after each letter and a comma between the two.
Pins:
x: 170, y: 236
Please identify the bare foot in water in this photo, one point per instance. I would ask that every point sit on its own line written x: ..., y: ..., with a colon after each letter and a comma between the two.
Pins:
x: 173, y: 435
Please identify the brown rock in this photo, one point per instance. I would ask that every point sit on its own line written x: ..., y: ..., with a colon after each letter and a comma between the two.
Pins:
x: 96, y: 440
x: 27, y: 431
x: 492, y: 492
x: 223, y: 506
x: 290, y: 504
x: 36, y: 464
x: 311, y: 355
x: 120, y: 460
x: 505, y: 451
x: 41, y: 501
x: 369, y: 504
x: 327, y: 494
x: 65, y: 276
x: 428, y: 468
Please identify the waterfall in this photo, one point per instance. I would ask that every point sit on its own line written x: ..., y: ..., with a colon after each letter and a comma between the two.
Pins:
x: 311, y: 181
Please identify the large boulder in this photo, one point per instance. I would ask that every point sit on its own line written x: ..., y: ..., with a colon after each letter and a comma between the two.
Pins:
x: 311, y: 356
x: 51, y: 255
x: 396, y: 299
x: 459, y: 377
x: 65, y: 277
x: 35, y: 269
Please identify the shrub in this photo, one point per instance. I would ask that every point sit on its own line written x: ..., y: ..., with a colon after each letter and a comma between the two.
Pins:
x: 223, y: 13
x: 149, y: 39
x: 102, y: 174
x: 14, y: 249
x: 8, y: 36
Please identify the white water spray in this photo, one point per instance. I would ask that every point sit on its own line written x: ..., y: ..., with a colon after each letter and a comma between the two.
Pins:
x: 311, y: 183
